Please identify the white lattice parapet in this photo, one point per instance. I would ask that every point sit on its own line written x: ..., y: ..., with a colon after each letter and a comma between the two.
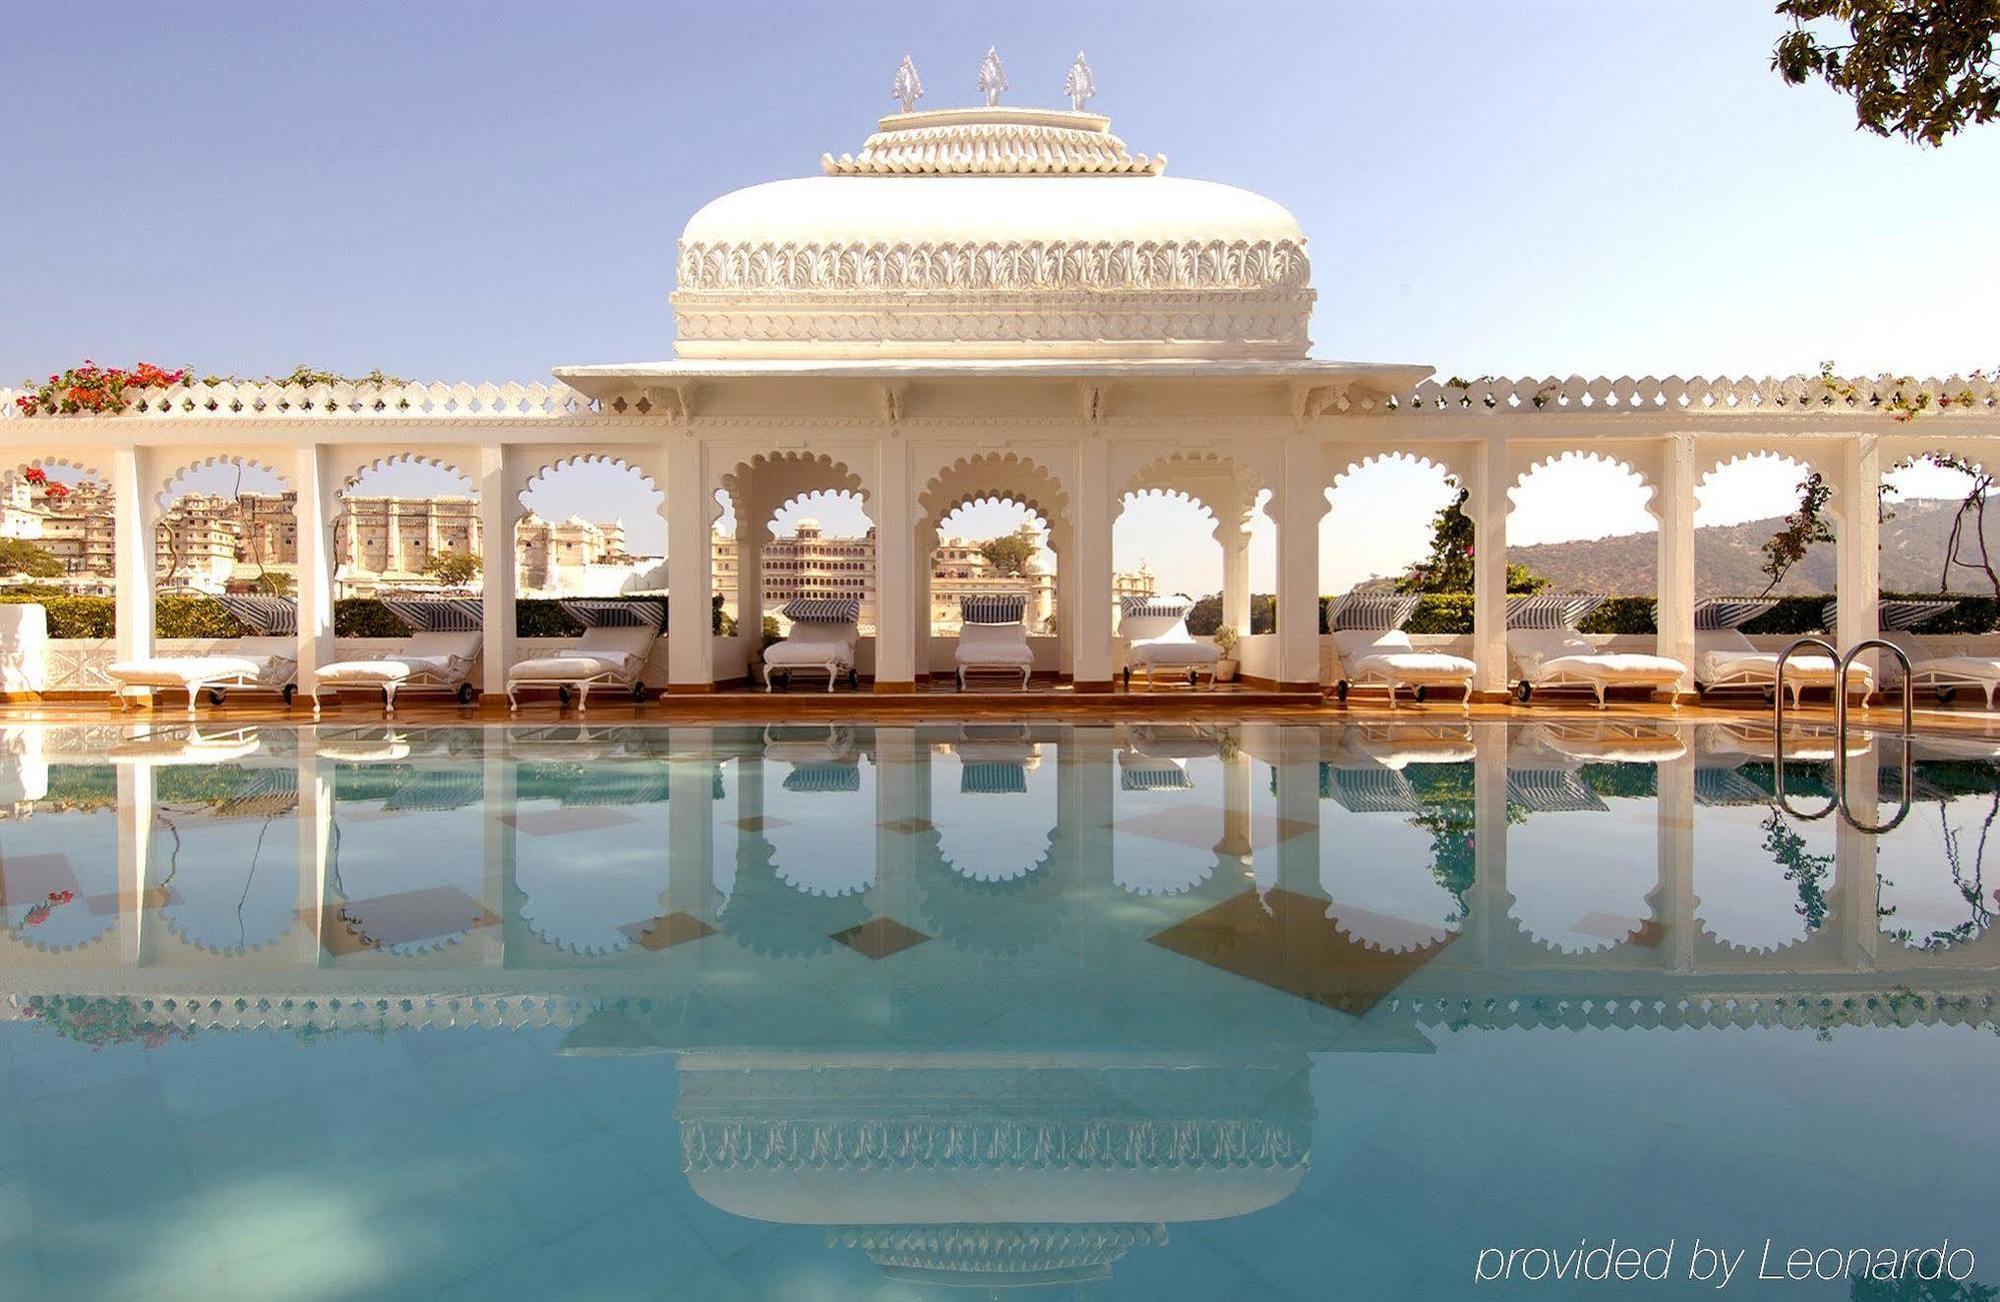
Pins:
x: 362, y: 401
x: 1883, y: 394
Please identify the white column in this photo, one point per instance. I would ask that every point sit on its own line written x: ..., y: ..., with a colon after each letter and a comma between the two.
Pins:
x: 1674, y: 506
x: 315, y: 849
x: 749, y: 583
x: 691, y: 847
x: 1301, y: 503
x: 1858, y: 543
x: 498, y: 509
x: 925, y: 543
x: 1299, y: 869
x: 313, y: 511
x: 1490, y: 924
x: 1235, y: 539
x: 1487, y: 506
x: 135, y: 854
x: 1089, y: 617
x: 895, y: 569
x: 136, y: 513
x: 1675, y: 804
x: 690, y: 569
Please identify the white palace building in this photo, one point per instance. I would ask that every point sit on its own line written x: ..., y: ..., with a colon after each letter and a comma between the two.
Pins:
x: 1005, y: 303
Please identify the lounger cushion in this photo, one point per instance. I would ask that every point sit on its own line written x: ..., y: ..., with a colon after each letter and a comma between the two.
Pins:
x: 1553, y: 654
x: 1725, y: 655
x: 576, y: 665
x: 823, y: 644
x: 998, y: 645
x: 1163, y: 651
x: 1389, y: 654
x: 391, y: 669
x: 1972, y: 669
x: 180, y: 671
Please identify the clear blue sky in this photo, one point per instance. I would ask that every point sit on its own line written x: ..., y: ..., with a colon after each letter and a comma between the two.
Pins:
x: 465, y: 191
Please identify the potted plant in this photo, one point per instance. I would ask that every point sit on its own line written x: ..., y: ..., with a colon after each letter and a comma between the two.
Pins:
x: 1225, y: 642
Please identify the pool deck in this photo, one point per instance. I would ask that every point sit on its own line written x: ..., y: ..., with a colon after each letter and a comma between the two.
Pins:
x: 1224, y: 704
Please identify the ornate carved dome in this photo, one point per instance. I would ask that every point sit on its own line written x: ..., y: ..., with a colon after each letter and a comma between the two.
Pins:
x: 993, y: 233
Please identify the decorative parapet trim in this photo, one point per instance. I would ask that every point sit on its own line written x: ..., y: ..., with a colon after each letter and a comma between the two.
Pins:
x: 336, y: 401
x: 1803, y: 394
x: 1131, y: 266
x: 847, y: 1144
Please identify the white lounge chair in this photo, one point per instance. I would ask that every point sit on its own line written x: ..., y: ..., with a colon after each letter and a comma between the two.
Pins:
x: 438, y: 655
x: 824, y: 633
x: 1373, y: 650
x: 1943, y: 675
x: 267, y: 662
x: 1542, y: 637
x: 1724, y: 659
x: 1156, y: 633
x: 993, y: 638
x: 617, y: 638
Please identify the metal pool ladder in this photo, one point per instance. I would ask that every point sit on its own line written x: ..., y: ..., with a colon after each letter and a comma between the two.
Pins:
x: 1842, y: 663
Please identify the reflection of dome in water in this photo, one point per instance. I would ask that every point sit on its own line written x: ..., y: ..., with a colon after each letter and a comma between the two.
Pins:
x: 979, y: 1177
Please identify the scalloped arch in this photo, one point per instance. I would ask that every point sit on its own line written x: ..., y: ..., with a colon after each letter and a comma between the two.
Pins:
x: 49, y: 461
x: 1178, y: 469
x: 187, y: 468
x: 994, y: 476
x: 604, y: 459
x: 1418, y: 460
x: 1650, y: 504
x: 1796, y: 456
x: 355, y: 474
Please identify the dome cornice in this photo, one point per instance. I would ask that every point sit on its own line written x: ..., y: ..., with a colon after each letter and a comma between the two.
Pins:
x: 994, y: 142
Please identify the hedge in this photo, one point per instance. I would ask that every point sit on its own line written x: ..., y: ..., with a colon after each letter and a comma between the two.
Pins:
x: 1451, y: 612
x: 198, y: 617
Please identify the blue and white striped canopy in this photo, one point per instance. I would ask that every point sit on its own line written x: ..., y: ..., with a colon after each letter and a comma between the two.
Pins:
x: 1372, y: 612
x: 823, y: 610
x: 992, y: 610
x: 1894, y: 614
x: 993, y: 778
x: 834, y: 777
x: 1175, y: 606
x: 608, y: 612
x: 438, y: 614
x: 1730, y: 612
x: 268, y: 616
x: 1550, y: 610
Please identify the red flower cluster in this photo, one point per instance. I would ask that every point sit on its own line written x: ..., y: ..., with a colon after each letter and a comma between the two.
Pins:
x: 99, y: 390
x: 35, y: 475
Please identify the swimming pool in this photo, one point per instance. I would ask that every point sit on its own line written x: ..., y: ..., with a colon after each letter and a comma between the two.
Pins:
x: 1181, y: 1010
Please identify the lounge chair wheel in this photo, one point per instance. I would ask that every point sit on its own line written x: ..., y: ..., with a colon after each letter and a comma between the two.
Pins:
x: 562, y: 695
x: 854, y: 680
x: 1524, y: 691
x: 465, y: 693
x: 1340, y: 690
x: 1128, y: 678
x: 639, y: 693
x: 291, y: 693
x: 1946, y: 695
x: 1192, y: 678
x: 1420, y: 694
x: 216, y: 695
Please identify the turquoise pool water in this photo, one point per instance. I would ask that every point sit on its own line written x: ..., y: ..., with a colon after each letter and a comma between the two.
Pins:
x: 1109, y: 1012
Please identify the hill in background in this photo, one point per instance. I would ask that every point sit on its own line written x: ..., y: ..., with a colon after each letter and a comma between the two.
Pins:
x: 1727, y: 558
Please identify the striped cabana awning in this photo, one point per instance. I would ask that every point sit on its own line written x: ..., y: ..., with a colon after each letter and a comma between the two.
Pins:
x: 1894, y: 614
x: 1165, y: 777
x: 1552, y: 791
x: 1730, y: 612
x: 1174, y: 606
x: 811, y: 778
x: 1550, y: 610
x: 1372, y: 612
x: 1368, y: 790
x: 438, y: 614
x: 1727, y: 787
x: 992, y: 610
x: 993, y: 778
x: 267, y: 616
x: 270, y: 793
x: 823, y: 610
x: 613, y: 612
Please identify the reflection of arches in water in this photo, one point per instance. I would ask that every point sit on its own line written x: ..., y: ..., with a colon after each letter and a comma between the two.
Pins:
x: 995, y: 917
x: 228, y: 862
x: 1397, y: 861
x: 768, y: 915
x: 996, y: 1177
x: 1762, y: 881
x: 590, y: 852
x: 1165, y: 834
x: 1579, y: 883
x: 60, y: 873
x: 1934, y: 889
x: 406, y: 876
x: 820, y: 826
x: 994, y: 807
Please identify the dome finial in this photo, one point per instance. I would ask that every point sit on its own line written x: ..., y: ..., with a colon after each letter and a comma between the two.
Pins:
x: 1079, y: 85
x: 908, y: 87
x: 992, y: 77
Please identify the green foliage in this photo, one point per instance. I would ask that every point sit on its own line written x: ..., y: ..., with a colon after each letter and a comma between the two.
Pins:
x: 1808, y: 872
x: 1920, y: 69
x: 1448, y: 567
x: 276, y: 583
x: 452, y: 569
x: 1621, y: 615
x: 19, y: 556
x: 772, y: 633
x: 1805, y: 526
x: 1010, y: 553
